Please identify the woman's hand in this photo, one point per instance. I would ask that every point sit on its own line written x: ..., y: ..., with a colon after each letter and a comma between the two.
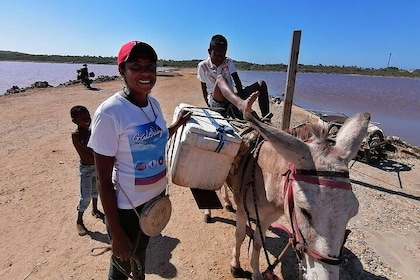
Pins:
x: 121, y: 247
x: 183, y: 116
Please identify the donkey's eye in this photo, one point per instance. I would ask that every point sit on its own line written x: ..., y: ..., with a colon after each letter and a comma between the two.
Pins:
x: 306, y: 213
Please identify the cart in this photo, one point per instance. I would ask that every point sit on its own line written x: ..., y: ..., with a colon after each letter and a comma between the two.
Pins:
x: 373, y: 145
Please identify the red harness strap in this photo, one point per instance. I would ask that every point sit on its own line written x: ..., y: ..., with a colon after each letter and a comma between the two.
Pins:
x: 299, y: 175
x: 295, y: 237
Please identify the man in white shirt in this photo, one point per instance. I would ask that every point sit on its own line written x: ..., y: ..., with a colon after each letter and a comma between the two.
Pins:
x: 218, y: 76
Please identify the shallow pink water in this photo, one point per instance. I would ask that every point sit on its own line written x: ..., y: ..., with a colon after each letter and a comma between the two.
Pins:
x: 393, y: 102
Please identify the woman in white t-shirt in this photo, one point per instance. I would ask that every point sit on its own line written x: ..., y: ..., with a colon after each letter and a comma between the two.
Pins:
x: 129, y: 137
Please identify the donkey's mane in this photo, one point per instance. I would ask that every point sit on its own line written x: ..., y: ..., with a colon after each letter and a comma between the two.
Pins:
x: 308, y: 132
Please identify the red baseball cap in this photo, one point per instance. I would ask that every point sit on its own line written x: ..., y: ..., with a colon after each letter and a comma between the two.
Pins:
x: 131, y: 47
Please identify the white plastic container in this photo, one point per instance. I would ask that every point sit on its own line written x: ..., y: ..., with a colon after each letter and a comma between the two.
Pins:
x: 201, y: 153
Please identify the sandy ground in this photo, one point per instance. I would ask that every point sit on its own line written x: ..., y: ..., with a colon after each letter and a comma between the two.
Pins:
x: 39, y: 194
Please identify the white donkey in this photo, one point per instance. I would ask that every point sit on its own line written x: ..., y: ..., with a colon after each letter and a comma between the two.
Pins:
x: 306, y: 178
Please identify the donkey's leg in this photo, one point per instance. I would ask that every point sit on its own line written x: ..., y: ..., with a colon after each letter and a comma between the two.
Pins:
x: 240, y: 233
x: 225, y: 195
x: 227, y: 204
x: 256, y: 250
x: 207, y: 215
x: 224, y: 191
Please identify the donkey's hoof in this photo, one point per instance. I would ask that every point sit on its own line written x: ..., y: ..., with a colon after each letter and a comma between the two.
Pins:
x: 269, y: 275
x: 238, y: 272
x: 207, y: 219
x: 230, y: 208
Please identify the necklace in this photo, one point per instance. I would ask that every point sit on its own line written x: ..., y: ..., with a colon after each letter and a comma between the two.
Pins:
x: 151, y: 105
x: 128, y: 97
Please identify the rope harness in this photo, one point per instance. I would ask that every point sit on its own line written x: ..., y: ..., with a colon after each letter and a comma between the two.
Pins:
x: 296, y: 239
x: 221, y: 130
x: 135, y: 264
x: 136, y: 269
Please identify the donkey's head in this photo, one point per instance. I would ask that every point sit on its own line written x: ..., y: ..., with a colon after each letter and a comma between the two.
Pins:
x: 317, y: 192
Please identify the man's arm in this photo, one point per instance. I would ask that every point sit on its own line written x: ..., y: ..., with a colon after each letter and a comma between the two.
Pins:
x: 237, y: 82
x: 204, y: 90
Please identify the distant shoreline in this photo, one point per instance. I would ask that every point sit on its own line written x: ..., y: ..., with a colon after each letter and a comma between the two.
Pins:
x: 276, y: 90
x: 101, y: 78
x: 409, y: 148
x: 240, y: 65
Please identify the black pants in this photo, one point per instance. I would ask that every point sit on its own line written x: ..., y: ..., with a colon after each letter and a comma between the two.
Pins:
x: 130, y: 223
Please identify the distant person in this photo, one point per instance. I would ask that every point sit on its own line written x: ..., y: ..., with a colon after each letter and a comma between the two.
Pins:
x: 88, y: 189
x: 216, y: 74
x: 129, y: 137
x: 84, y: 76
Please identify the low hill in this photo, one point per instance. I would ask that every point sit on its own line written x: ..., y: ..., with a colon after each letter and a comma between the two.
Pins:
x: 240, y: 65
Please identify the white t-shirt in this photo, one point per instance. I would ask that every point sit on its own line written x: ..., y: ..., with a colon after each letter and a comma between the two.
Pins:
x: 207, y: 72
x: 137, y: 138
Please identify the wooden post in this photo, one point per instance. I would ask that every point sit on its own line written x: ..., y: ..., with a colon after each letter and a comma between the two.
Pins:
x: 291, y: 79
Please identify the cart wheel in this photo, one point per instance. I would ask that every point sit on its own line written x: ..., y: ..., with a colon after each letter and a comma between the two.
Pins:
x: 377, y: 151
x: 332, y: 132
x: 367, y: 155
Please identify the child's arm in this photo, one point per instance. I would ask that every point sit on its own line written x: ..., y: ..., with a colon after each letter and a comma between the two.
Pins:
x: 81, y: 148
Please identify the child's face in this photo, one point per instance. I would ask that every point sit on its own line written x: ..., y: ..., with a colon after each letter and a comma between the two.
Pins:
x: 82, y: 120
x: 217, y: 55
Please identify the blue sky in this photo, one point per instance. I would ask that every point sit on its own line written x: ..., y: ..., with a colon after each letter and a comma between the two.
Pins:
x: 364, y: 33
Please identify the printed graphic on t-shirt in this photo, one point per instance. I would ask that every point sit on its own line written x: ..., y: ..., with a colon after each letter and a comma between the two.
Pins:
x: 147, y: 145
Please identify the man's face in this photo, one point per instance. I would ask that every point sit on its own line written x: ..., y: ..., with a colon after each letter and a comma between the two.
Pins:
x: 217, y: 55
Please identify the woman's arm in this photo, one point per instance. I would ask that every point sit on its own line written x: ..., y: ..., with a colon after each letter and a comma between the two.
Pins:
x: 120, y: 242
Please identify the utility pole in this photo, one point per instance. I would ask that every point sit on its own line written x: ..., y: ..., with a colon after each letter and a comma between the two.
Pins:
x: 389, y: 59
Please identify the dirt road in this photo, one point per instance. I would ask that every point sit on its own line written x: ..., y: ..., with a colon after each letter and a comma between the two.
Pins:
x: 39, y: 194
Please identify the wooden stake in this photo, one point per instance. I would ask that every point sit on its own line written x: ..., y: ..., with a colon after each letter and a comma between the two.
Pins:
x: 291, y: 79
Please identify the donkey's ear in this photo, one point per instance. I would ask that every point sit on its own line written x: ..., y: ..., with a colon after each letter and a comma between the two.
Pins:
x: 351, y: 135
x: 288, y: 146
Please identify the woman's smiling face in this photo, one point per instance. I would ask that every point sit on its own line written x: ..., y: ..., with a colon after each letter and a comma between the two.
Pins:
x: 139, y: 74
